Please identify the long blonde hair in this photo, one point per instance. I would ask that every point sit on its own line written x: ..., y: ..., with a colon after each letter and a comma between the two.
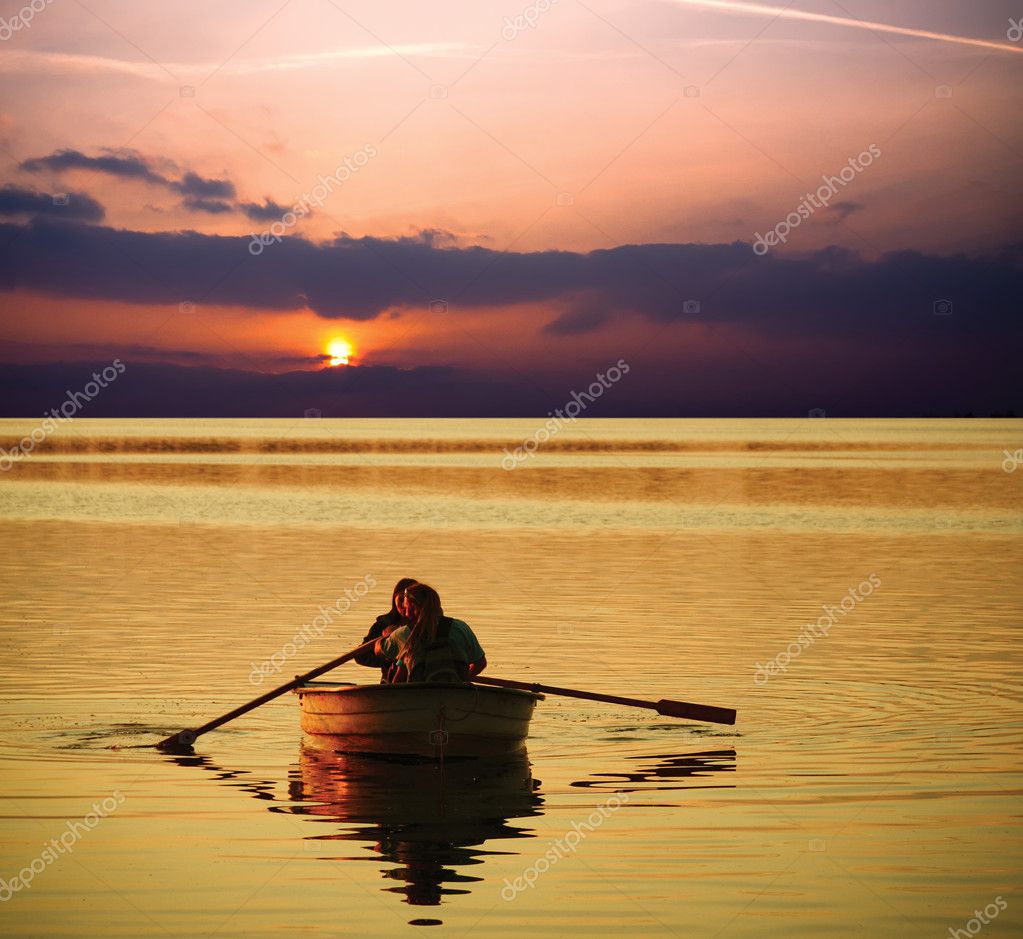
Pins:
x: 424, y: 618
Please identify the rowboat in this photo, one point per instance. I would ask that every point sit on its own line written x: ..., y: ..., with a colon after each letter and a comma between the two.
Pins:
x: 422, y: 719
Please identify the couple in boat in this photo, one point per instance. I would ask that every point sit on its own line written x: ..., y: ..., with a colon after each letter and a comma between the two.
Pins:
x: 416, y: 642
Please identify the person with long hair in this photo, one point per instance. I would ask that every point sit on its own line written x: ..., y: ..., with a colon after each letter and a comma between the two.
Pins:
x: 431, y: 646
x: 384, y: 624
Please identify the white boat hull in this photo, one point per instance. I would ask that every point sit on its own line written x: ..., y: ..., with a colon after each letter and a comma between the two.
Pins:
x: 423, y: 719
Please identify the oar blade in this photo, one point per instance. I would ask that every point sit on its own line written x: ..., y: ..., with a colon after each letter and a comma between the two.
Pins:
x: 696, y: 712
x: 181, y: 742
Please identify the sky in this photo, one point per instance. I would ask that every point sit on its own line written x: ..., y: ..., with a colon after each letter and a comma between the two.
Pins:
x: 479, y: 208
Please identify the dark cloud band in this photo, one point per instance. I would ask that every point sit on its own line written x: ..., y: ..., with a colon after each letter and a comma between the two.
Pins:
x: 831, y: 292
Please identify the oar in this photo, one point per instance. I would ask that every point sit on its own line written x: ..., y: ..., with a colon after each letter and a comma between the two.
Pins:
x: 184, y: 739
x: 692, y: 712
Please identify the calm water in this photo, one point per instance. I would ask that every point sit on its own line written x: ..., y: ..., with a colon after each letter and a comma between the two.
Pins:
x: 870, y: 787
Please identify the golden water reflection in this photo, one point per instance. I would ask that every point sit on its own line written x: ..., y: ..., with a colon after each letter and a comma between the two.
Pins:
x: 429, y: 819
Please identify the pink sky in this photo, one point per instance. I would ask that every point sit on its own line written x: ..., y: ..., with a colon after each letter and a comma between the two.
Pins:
x: 602, y: 124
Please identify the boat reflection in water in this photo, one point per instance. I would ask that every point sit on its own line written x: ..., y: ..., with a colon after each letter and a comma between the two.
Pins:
x: 433, y: 820
x: 660, y: 773
x: 428, y: 818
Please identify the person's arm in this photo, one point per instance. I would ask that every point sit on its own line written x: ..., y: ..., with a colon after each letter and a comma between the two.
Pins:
x: 387, y: 646
x: 371, y: 658
x: 473, y: 651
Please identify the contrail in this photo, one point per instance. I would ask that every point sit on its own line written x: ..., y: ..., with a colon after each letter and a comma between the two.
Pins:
x: 761, y: 9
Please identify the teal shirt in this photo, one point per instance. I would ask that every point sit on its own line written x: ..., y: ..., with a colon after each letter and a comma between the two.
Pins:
x: 461, y: 637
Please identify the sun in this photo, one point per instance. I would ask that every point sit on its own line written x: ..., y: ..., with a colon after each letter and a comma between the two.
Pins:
x: 340, y: 351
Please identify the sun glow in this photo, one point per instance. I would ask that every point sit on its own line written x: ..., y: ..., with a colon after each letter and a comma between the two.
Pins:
x: 340, y: 351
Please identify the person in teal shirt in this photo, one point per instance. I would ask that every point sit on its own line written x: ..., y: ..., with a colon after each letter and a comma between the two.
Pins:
x: 432, y: 647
